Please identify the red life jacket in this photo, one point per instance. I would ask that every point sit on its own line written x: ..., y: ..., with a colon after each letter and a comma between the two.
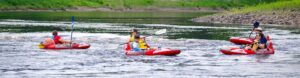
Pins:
x: 56, y: 40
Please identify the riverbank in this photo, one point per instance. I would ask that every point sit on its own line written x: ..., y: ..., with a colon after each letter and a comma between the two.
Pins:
x: 119, y: 4
x: 125, y: 5
x: 106, y: 9
x: 272, y: 18
x: 284, y: 13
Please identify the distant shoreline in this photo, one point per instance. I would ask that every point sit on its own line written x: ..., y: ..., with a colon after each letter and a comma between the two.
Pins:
x: 103, y: 9
x: 283, y: 13
x: 268, y: 18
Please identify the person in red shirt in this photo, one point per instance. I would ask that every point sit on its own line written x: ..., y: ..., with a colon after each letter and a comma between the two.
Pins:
x: 57, y: 39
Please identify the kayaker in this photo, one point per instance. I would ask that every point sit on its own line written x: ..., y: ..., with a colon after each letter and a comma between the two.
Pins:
x: 48, y: 43
x: 135, y: 45
x: 57, y: 39
x: 260, y: 40
x: 143, y: 45
x: 133, y: 34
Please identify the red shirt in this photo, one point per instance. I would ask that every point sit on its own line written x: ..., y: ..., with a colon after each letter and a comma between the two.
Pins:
x: 56, y: 40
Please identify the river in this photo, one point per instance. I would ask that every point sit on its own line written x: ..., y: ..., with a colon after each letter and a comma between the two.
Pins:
x: 199, y: 42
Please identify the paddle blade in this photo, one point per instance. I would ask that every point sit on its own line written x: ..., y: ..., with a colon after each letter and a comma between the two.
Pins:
x: 73, y: 20
x: 256, y: 24
x: 162, y: 31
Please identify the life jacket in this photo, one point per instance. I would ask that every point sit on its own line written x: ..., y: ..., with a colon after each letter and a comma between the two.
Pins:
x: 131, y: 39
x: 143, y: 44
x: 48, y: 43
x: 255, y: 45
x: 263, y: 40
x: 56, y: 39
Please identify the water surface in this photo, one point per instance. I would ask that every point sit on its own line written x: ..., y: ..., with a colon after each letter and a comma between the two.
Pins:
x: 200, y: 44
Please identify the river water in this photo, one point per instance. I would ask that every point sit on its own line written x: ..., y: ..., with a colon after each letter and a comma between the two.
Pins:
x: 199, y: 43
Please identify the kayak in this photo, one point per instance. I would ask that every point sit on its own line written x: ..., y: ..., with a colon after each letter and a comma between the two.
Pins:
x: 238, y: 40
x: 164, y: 51
x: 236, y: 51
x: 242, y: 51
x: 241, y: 41
x: 239, y: 51
x: 61, y: 46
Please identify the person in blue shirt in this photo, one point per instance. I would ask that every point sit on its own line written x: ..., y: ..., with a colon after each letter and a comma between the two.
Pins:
x: 135, y: 44
x: 260, y: 40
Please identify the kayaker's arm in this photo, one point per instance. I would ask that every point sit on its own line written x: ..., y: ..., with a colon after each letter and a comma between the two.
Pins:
x: 262, y: 45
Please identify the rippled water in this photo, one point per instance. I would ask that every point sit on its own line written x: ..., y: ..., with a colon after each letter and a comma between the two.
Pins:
x: 200, y: 57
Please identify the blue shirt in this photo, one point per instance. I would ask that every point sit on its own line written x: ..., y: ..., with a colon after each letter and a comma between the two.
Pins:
x: 135, y: 47
x: 263, y: 40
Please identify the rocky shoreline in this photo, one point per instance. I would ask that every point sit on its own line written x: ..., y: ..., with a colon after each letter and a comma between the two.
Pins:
x: 107, y: 9
x: 274, y: 18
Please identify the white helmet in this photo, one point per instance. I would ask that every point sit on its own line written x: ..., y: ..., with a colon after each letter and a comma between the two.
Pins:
x: 258, y: 29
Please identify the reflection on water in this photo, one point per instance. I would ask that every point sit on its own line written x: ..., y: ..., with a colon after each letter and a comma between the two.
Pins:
x: 109, y: 17
x: 174, y: 31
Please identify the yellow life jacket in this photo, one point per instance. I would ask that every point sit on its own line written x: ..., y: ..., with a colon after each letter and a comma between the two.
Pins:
x: 143, y: 44
x: 131, y: 39
x: 41, y: 46
x: 255, y: 45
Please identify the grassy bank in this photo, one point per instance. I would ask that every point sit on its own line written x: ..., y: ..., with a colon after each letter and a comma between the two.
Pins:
x: 283, y: 12
x: 119, y: 4
x: 284, y: 5
x: 178, y: 18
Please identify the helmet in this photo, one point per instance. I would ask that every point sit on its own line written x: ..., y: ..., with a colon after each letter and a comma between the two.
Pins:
x: 258, y: 29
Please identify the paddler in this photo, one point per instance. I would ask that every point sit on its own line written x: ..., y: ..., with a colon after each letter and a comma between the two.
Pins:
x: 135, y: 45
x: 260, y: 40
x: 48, y: 43
x: 143, y: 45
x: 139, y: 44
x: 133, y: 34
x: 52, y: 41
x: 57, y: 39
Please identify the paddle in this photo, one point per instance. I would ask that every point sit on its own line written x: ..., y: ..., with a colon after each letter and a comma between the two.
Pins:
x: 255, y: 25
x: 73, y: 22
x: 162, y: 31
x: 159, y: 32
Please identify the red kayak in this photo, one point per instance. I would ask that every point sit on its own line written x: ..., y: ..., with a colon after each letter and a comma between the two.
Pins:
x: 166, y: 51
x: 238, y: 40
x: 60, y: 46
x: 241, y: 41
x: 239, y: 51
